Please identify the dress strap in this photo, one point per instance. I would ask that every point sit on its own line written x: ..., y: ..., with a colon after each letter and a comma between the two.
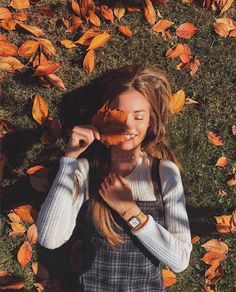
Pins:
x: 156, y: 180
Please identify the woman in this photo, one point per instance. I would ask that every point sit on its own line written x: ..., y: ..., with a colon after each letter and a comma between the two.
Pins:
x: 130, y: 239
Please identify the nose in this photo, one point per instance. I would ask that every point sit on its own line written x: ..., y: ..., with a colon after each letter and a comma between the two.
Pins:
x: 129, y: 123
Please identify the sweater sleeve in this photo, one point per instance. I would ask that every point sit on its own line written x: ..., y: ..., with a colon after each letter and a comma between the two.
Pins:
x: 172, y: 246
x: 57, y: 216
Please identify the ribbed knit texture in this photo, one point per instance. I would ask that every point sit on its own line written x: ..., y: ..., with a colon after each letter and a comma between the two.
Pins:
x: 172, y: 246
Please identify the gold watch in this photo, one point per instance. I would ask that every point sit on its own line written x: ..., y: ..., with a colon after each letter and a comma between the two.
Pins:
x: 136, y: 221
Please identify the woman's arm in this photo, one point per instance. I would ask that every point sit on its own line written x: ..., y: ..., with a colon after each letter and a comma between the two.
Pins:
x: 57, y: 216
x: 172, y: 246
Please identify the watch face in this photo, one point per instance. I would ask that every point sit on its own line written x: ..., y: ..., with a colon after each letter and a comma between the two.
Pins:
x: 134, y: 222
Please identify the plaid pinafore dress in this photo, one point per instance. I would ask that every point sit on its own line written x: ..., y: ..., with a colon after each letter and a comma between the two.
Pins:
x: 131, y: 268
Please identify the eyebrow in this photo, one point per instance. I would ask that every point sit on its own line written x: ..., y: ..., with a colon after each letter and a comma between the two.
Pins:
x: 137, y: 111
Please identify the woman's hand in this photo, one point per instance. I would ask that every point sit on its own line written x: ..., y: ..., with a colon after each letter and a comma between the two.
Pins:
x: 81, y: 137
x: 117, y: 193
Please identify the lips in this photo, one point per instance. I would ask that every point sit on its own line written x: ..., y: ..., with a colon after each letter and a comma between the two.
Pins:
x: 129, y: 136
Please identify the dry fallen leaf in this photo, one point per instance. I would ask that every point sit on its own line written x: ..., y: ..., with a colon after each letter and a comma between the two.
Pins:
x: 68, y: 44
x: 32, y: 234
x: 216, y: 245
x: 32, y: 29
x: 28, y: 48
x: 186, y: 30
x: 222, y: 161
x: 169, y: 278
x: 40, y: 109
x: 107, y: 13
x: 215, y: 139
x: 24, y: 254
x: 125, y: 30
x: 99, y: 41
x: 19, y: 4
x: 195, y: 239
x: 10, y: 64
x: 27, y: 213
x: 149, y: 11
x: 177, y: 101
x: 162, y: 25
x: 89, y: 61
x: 119, y: 10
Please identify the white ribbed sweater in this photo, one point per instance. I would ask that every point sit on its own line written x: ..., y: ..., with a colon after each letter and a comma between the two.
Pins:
x: 172, y: 246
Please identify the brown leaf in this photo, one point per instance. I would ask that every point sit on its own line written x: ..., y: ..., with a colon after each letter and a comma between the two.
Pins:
x: 28, y: 48
x: 186, y: 30
x: 149, y: 11
x: 14, y: 286
x: 177, y: 101
x: 169, y: 278
x: 32, y: 29
x: 87, y: 7
x: 32, y: 234
x: 119, y: 10
x: 46, y: 10
x: 73, y: 24
x: 223, y: 223
x: 5, y: 128
x: 40, y: 271
x: 19, y: 4
x: 107, y: 13
x: 125, y: 30
x: 40, y: 109
x: 53, y: 131
x: 10, y: 64
x: 89, y: 60
x: 55, y: 81
x: 222, y: 161
x: 3, y: 161
x: 99, y: 41
x: 214, y: 273
x: 162, y: 25
x: 24, y: 254
x: 226, y: 5
x: 215, y: 139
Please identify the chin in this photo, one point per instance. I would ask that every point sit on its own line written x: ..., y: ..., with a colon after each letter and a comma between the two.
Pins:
x: 128, y: 145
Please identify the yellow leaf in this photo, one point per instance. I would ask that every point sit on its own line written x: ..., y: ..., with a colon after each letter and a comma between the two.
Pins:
x: 13, y: 217
x: 88, y: 62
x: 10, y: 64
x: 226, y: 6
x: 18, y: 227
x: 149, y: 11
x: 177, y: 101
x: 48, y: 47
x: 169, y: 278
x: 99, y: 41
x: 28, y: 48
x: 88, y: 36
x: 68, y: 44
x: 222, y: 161
x: 215, y: 139
x: 32, y: 29
x: 40, y: 109
x: 119, y: 10
x: 19, y: 4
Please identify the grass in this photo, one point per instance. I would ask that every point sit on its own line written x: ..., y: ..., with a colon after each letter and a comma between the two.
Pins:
x: 213, y: 87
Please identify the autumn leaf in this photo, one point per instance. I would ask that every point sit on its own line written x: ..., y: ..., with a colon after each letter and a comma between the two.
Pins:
x: 32, y: 234
x: 10, y: 64
x: 94, y: 19
x: 169, y: 278
x: 18, y: 227
x: 125, y: 30
x: 28, y: 48
x: 232, y: 181
x: 27, y: 213
x: 149, y: 11
x: 5, y: 128
x: 190, y: 101
x: 47, y: 47
x: 224, y: 223
x: 68, y: 44
x: 215, y: 139
x: 119, y: 10
x: 46, y: 68
x: 53, y: 131
x: 107, y: 13
x: 40, y: 271
x: 225, y: 26
x: 177, y: 101
x: 75, y: 7
x: 214, y: 273
x: 87, y: 7
x: 13, y: 217
x: 210, y: 257
x: 216, y: 245
x: 8, y: 49
x: 39, y: 178
x: 19, y: 4
x: 24, y: 254
x: 225, y: 5
x: 40, y: 109
x: 5, y: 13
x: 14, y: 286
x: 222, y: 161
x: 55, y: 81
x: 179, y: 50
x: 195, y: 239
x: 99, y: 41
x: 186, y: 30
x: 162, y: 25
x: 88, y: 62
x: 88, y: 36
x: 32, y: 29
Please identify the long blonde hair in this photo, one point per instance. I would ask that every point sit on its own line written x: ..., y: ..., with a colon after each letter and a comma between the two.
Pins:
x: 152, y: 84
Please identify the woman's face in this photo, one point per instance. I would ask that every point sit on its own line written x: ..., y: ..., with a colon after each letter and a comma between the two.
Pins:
x: 138, y: 110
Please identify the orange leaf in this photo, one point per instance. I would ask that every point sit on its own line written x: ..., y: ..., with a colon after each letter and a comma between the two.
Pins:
x: 169, y: 278
x: 177, y: 101
x: 210, y: 257
x: 221, y: 29
x: 149, y: 11
x: 40, y: 109
x: 32, y: 29
x: 68, y: 44
x: 225, y: 5
x: 232, y: 181
x: 26, y: 212
x: 55, y: 81
x: 94, y: 19
x: 87, y: 7
x: 125, y: 30
x: 233, y: 221
x: 214, y: 273
x: 107, y: 13
x: 193, y: 66
x: 48, y: 47
x: 38, y: 170
x: 88, y: 62
x: 19, y: 4
x: 186, y: 30
x: 75, y: 7
x: 195, y: 239
x: 10, y: 64
x: 45, y: 69
x: 24, y: 254
x: 4, y: 13
x: 88, y: 36
x: 8, y: 24
x: 32, y: 234
x: 13, y: 287
x: 7, y: 49
x: 13, y: 217
x: 18, y: 227
x: 119, y: 10
x: 223, y: 223
x: 40, y: 271
x: 20, y: 15
x: 28, y: 48
x: 162, y: 25
x: 222, y: 161
x: 216, y: 245
x: 99, y: 41
x: 190, y: 101
x: 215, y: 139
